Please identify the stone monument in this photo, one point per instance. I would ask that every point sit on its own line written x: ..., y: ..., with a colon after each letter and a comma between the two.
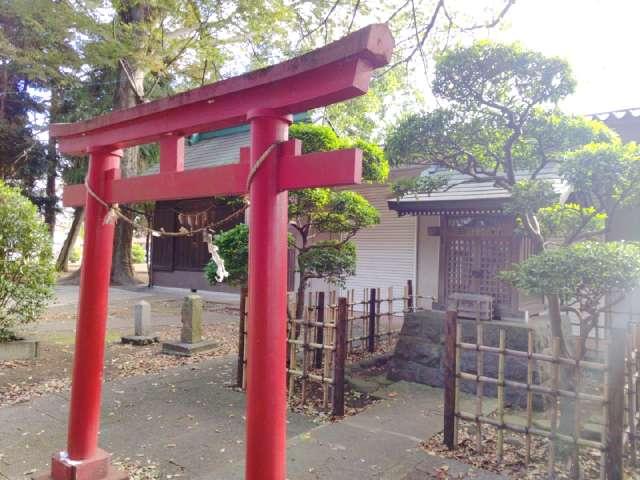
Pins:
x: 142, y: 326
x: 191, y: 335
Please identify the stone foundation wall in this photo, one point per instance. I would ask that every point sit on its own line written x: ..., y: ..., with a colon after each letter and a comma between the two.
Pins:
x: 419, y: 353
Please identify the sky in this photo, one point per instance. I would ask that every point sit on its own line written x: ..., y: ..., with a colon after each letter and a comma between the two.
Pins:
x: 600, y: 40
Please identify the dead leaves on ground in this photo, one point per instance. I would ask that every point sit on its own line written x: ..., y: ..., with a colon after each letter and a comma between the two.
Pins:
x: 513, y: 463
x: 123, y: 361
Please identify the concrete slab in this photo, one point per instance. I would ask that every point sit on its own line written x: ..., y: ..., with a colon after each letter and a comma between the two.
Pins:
x: 190, y: 425
x: 172, y: 419
x: 381, y: 443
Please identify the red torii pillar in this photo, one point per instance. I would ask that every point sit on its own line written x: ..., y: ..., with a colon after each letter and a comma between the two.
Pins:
x: 266, y: 98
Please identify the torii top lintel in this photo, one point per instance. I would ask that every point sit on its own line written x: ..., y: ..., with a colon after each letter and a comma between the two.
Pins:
x: 330, y: 74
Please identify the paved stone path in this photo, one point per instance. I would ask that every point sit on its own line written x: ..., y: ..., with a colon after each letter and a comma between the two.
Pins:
x: 187, y: 423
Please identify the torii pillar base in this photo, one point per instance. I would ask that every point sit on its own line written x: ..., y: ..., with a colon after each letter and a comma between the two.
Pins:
x: 97, y: 467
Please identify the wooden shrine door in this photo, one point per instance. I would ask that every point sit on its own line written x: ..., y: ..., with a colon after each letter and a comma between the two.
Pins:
x: 474, y: 249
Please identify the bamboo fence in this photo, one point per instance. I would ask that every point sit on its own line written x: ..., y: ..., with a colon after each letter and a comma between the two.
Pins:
x: 333, y: 330
x: 603, y: 392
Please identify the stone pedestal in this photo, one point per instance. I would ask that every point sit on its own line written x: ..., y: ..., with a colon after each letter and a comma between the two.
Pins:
x: 97, y: 467
x: 419, y: 353
x: 191, y: 341
x: 142, y: 326
x: 23, y: 349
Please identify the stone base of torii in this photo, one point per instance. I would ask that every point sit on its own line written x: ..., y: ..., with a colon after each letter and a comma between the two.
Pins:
x: 266, y: 99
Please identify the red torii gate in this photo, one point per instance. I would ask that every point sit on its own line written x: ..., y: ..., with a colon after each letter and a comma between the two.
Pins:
x: 266, y: 99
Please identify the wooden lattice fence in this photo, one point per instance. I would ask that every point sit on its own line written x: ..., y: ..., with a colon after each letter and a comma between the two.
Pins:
x: 333, y: 330
x: 602, y: 395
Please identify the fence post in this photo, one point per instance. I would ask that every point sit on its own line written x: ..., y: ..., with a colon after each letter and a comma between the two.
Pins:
x: 340, y: 358
x: 319, y: 330
x: 241, y: 328
x: 450, y: 334
x: 615, y: 407
x: 410, y: 302
x: 372, y: 320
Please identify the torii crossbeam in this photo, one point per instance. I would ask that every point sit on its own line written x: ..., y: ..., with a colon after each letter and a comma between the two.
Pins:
x: 266, y: 99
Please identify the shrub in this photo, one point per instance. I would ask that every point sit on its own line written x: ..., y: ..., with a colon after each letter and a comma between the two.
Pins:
x: 233, y: 247
x: 583, y: 273
x: 138, y: 254
x: 315, y: 138
x: 321, y: 138
x: 26, y: 262
x: 76, y: 255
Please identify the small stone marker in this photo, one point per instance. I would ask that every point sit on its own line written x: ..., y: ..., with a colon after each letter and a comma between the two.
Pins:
x: 191, y: 319
x: 142, y: 325
x: 191, y: 335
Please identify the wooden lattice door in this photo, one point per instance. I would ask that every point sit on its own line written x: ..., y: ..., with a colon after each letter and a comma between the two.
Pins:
x: 475, y: 249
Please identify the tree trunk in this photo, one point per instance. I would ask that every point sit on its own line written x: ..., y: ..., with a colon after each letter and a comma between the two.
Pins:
x: 302, y: 289
x: 51, y: 205
x: 566, y: 424
x: 130, y: 85
x: 62, y: 263
x: 5, y: 89
x: 555, y: 318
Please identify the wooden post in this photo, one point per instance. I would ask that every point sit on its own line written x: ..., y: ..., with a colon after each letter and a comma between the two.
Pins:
x: 500, y: 435
x: 554, y: 408
x: 410, y: 302
x: 319, y: 330
x: 450, y: 335
x: 241, y: 328
x: 615, y: 410
x: 529, y: 397
x: 372, y: 320
x: 389, y: 314
x: 631, y: 398
x: 479, y: 383
x: 340, y: 358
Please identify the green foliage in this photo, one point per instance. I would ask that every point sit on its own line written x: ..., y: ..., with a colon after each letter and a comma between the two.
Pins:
x: 39, y: 51
x: 581, y: 274
x: 569, y: 222
x: 321, y: 138
x: 500, y: 126
x: 606, y: 174
x: 529, y: 196
x: 304, y: 202
x: 499, y: 117
x: 311, y: 211
x: 76, y: 255
x: 138, y: 253
x: 331, y: 260
x: 26, y: 264
x: 314, y: 138
x: 233, y: 247
x: 375, y: 167
x: 369, y: 115
x: 341, y: 212
x: 422, y: 184
x: 501, y: 78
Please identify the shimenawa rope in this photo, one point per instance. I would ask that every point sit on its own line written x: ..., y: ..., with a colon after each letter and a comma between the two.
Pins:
x: 114, y: 213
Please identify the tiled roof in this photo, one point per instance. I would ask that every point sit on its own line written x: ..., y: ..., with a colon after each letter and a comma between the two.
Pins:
x: 213, y: 151
x: 615, y: 114
x: 463, y: 187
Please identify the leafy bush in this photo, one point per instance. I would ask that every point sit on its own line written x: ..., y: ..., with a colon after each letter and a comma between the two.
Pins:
x: 314, y: 138
x: 321, y: 138
x: 583, y: 273
x: 138, y: 253
x: 233, y: 245
x: 26, y: 262
x: 375, y: 167
x: 332, y: 260
x: 76, y: 255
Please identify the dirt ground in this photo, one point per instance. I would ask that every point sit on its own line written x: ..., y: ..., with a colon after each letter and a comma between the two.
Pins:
x: 22, y: 380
